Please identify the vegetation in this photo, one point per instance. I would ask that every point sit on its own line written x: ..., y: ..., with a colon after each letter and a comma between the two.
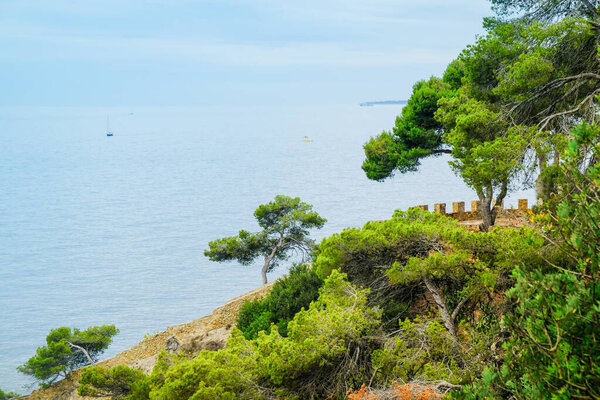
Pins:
x: 285, y: 224
x: 6, y: 396
x: 67, y: 349
x: 505, y: 106
x: 118, y: 382
x: 417, y: 307
x: 450, y: 282
x: 556, y: 315
x: 288, y: 296
x: 511, y: 313
x: 324, y: 340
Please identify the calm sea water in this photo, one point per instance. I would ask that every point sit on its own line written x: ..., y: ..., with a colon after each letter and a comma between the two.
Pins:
x: 97, y: 230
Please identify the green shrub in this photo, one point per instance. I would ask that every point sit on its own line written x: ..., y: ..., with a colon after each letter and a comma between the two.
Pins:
x: 254, y: 317
x: 6, y: 396
x: 366, y: 253
x: 226, y: 374
x: 312, y: 361
x: 288, y: 296
x: 119, y: 382
x: 423, y: 351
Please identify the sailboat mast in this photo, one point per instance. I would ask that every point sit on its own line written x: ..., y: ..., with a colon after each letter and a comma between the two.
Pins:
x: 107, y: 128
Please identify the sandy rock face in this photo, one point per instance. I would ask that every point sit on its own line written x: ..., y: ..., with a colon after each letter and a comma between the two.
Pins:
x: 206, y: 333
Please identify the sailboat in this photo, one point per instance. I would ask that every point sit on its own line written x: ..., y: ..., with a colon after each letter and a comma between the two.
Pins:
x: 108, y: 132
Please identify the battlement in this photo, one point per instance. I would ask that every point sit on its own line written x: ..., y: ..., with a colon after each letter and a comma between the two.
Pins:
x: 459, y: 213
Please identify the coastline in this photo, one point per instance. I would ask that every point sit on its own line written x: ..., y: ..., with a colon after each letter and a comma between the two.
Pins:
x: 209, y: 332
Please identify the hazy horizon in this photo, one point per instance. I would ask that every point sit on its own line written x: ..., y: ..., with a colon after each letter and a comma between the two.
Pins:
x: 226, y: 52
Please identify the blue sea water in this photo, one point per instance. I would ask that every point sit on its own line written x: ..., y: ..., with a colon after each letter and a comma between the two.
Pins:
x: 97, y: 230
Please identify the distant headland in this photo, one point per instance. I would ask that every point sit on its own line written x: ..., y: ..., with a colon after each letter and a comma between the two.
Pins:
x: 384, y: 102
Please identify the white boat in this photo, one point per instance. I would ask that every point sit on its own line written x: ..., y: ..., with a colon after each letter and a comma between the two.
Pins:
x: 108, y: 131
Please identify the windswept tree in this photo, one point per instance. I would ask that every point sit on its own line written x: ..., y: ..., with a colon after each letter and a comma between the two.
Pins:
x: 6, y: 396
x: 505, y: 107
x: 68, y: 349
x: 546, y: 10
x: 416, y: 134
x: 443, y: 117
x: 285, y: 224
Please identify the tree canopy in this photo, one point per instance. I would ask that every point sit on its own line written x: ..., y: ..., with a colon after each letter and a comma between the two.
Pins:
x: 285, y: 224
x: 7, y: 395
x: 504, y: 108
x: 546, y: 10
x: 68, y: 349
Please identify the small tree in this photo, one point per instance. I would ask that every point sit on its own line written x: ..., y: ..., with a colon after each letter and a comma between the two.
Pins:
x: 67, y: 350
x: 6, y: 396
x: 285, y: 222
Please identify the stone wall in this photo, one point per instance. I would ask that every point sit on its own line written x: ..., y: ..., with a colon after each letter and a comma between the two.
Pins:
x: 459, y: 213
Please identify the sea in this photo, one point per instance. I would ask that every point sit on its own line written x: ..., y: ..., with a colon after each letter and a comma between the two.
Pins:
x: 111, y: 230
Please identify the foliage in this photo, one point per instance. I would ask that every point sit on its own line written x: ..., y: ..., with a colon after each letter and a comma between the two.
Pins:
x: 223, y: 374
x: 504, y: 106
x: 396, y: 257
x: 285, y: 224
x: 6, y: 396
x: 487, y: 154
x: 63, y: 353
x: 316, y: 358
x: 254, y: 316
x: 318, y: 338
x: 558, y: 312
x: 289, y: 295
x: 417, y: 134
x: 554, y: 351
x: 365, y: 253
x: 119, y: 382
x: 424, y: 351
x: 546, y: 9
x: 460, y: 117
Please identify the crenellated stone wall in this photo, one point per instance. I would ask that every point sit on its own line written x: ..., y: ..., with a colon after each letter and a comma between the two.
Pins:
x: 459, y: 213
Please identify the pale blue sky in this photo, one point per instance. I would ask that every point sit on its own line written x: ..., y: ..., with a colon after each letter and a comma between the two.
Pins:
x: 226, y: 52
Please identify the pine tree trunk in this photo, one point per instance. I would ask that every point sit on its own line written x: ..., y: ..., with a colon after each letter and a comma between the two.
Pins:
x: 269, y: 258
x: 487, y: 214
x: 264, y: 270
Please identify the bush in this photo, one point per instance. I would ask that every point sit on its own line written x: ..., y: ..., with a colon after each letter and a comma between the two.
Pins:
x: 6, y: 396
x: 316, y: 359
x: 288, y: 296
x: 366, y: 253
x: 424, y: 351
x: 120, y: 382
x: 254, y: 316
x: 415, y: 254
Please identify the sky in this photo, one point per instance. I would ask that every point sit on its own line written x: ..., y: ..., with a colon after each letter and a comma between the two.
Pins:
x: 226, y: 52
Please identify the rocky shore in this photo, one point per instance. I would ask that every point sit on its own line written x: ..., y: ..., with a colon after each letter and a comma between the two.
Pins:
x: 209, y: 332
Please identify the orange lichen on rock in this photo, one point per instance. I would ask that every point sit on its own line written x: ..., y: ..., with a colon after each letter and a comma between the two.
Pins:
x: 364, y: 393
x: 408, y: 391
